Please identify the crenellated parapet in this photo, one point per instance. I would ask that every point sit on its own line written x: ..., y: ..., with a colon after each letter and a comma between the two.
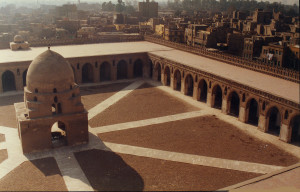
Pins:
x: 258, y: 66
x: 77, y: 41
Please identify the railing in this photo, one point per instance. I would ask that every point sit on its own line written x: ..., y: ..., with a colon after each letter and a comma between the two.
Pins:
x: 100, y: 39
x: 286, y: 74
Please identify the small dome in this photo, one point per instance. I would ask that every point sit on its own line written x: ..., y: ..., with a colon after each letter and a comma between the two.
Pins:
x: 18, y: 39
x: 49, y: 71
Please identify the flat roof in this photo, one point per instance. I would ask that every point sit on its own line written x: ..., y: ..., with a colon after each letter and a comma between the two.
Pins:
x: 273, y: 85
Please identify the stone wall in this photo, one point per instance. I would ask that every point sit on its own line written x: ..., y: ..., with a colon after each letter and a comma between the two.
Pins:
x: 100, y: 39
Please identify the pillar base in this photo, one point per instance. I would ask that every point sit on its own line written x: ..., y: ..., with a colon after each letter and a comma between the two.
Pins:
x: 242, y: 114
x: 262, y: 123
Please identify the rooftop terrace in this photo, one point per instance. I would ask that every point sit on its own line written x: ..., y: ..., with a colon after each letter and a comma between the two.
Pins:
x: 273, y: 85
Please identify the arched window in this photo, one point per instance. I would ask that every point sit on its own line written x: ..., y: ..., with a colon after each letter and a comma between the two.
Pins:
x: 36, y: 90
x: 54, y: 90
x: 8, y: 81
x: 35, y: 99
x: 55, y: 99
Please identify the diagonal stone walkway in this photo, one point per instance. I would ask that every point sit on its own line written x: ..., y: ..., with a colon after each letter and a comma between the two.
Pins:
x: 153, y: 121
x: 192, y: 159
x: 113, y: 99
x: 72, y: 173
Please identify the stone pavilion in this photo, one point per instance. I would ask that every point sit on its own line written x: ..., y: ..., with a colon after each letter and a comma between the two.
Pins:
x: 52, y: 113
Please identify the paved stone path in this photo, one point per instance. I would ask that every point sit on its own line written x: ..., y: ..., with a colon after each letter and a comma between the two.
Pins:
x: 75, y: 178
x: 153, y: 121
x: 192, y: 159
x: 113, y: 99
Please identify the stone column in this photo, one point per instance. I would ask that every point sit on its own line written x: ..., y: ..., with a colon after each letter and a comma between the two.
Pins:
x: 162, y: 78
x: 224, y: 105
x: 172, y: 82
x: 130, y: 70
x: 19, y: 82
x: 209, y: 98
x: 96, y: 74
x: 182, y: 86
x: 242, y: 114
x: 113, y: 72
x: 262, y: 123
x: 195, y: 92
x: 284, y: 133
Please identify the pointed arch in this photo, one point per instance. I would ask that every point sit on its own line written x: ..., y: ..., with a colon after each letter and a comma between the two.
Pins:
x: 177, y: 80
x: 252, y: 112
x: 233, y: 103
x: 202, y: 91
x: 87, y: 73
x: 122, y: 70
x: 217, y: 97
x: 167, y: 76
x: 189, y: 85
x: 8, y: 81
x: 105, y: 71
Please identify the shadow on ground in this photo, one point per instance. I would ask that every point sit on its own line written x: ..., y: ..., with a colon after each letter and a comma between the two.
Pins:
x: 107, y: 171
x: 10, y: 100
x: 103, y: 88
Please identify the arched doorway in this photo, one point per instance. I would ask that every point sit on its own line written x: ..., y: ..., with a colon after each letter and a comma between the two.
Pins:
x: 105, y: 71
x: 295, y: 126
x: 138, y: 68
x: 234, y: 104
x: 59, y: 134
x: 217, y: 97
x: 189, y: 85
x: 274, y: 121
x: 202, y: 88
x: 167, y: 76
x: 8, y: 81
x: 253, y: 112
x: 87, y: 73
x: 24, y: 75
x: 177, y: 80
x: 122, y: 70
x: 158, y: 71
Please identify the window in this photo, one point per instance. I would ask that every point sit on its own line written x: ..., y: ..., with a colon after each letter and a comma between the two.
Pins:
x: 279, y: 52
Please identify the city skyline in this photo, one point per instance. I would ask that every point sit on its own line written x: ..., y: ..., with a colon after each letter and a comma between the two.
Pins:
x: 60, y: 2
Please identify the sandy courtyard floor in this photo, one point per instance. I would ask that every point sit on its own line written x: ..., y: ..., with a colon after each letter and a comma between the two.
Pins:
x: 148, y: 138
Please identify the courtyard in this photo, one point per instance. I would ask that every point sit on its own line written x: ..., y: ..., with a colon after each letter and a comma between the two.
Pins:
x: 143, y: 136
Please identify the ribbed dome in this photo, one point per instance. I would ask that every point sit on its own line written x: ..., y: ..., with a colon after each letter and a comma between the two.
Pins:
x: 49, y: 70
x: 18, y: 39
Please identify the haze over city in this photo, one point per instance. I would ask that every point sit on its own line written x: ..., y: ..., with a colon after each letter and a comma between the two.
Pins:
x: 60, y: 2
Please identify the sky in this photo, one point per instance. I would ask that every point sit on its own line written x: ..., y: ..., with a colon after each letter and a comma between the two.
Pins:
x: 59, y: 2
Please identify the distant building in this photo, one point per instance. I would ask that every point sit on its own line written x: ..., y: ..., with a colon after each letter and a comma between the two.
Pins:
x: 262, y: 17
x: 148, y: 9
x: 19, y: 43
x: 274, y: 54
